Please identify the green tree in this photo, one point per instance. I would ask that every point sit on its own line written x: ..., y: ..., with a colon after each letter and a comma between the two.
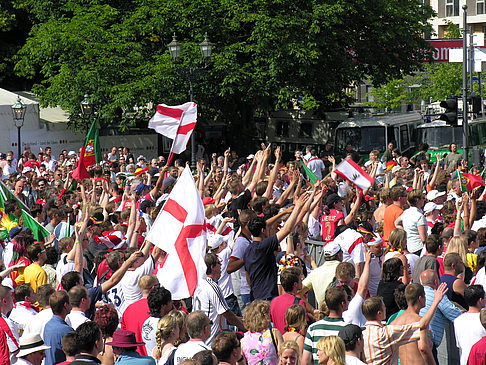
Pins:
x: 267, y: 53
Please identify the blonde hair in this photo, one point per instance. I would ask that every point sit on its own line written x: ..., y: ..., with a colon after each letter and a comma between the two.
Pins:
x: 289, y: 345
x: 397, y: 236
x: 333, y: 346
x: 209, y: 210
x: 257, y: 316
x: 295, y: 317
x: 165, y: 327
x: 458, y: 244
x: 180, y: 318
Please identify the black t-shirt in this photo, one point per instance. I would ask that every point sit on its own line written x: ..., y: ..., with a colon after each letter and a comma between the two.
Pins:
x: 238, y: 204
x: 385, y: 290
x: 95, y: 294
x: 261, y: 267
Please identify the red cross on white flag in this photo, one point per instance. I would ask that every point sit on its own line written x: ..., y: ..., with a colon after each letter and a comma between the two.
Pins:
x: 175, y: 122
x: 180, y: 231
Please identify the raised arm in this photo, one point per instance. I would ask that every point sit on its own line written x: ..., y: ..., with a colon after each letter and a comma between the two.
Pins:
x: 439, y: 294
x: 155, y: 191
x: 273, y: 174
x: 292, y: 220
x: 354, y: 210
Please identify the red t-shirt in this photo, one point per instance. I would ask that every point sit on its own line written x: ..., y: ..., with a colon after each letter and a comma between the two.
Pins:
x: 4, y: 353
x: 133, y: 318
x: 278, y: 307
x: 477, y: 355
x: 329, y: 224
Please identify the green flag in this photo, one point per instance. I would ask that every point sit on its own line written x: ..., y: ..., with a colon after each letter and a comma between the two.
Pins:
x: 39, y: 232
x: 313, y: 178
x: 92, y: 154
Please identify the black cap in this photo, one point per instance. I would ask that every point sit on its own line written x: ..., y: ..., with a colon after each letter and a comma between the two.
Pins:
x: 333, y: 198
x: 350, y: 333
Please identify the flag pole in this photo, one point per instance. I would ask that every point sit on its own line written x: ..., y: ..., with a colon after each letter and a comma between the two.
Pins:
x: 171, y: 154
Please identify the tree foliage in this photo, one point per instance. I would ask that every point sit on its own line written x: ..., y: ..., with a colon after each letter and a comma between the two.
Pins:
x: 267, y: 53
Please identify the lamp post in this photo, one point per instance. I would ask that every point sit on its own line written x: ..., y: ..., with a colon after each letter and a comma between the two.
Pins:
x: 191, y: 73
x: 18, y: 111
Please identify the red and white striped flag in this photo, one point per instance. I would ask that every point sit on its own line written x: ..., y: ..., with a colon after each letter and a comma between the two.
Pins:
x: 180, y: 230
x: 175, y: 122
x: 350, y: 171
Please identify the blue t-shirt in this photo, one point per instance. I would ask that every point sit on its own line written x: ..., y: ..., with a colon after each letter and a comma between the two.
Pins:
x: 261, y: 267
x: 95, y: 295
x: 54, y: 331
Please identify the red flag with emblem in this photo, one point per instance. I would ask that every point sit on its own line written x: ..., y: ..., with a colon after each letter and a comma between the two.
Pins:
x: 92, y: 154
x: 180, y: 231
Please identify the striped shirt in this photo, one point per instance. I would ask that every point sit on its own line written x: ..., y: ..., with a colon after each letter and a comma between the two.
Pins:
x: 209, y: 298
x: 381, y: 342
x: 325, y: 327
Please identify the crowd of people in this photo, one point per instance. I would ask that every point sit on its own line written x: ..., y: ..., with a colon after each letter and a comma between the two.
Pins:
x: 396, y: 274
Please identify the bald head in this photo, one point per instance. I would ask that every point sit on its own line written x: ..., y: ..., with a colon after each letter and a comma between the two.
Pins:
x: 429, y: 278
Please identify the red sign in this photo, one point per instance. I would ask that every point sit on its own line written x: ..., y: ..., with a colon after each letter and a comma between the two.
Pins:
x: 442, y: 47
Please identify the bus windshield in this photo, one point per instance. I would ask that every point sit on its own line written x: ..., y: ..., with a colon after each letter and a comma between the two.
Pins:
x: 363, y: 140
x: 440, y: 137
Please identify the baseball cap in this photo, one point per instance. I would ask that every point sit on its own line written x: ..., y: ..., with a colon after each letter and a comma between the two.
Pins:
x: 331, y: 249
x: 333, y: 198
x: 208, y: 200
x: 71, y: 154
x: 168, y: 181
x: 430, y: 206
x: 9, y: 158
x: 215, y: 240
x: 433, y: 194
x: 140, y: 188
x: 366, y: 228
x: 95, y: 219
x: 350, y: 333
x: 396, y: 168
x: 250, y: 156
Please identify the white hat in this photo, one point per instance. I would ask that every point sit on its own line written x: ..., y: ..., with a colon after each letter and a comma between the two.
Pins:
x: 71, y: 154
x: 250, y: 156
x: 215, y: 240
x: 375, y: 241
x: 431, y: 206
x: 31, y: 343
x: 27, y: 169
x: 140, y: 158
x: 331, y: 248
x: 396, y: 168
x: 433, y: 194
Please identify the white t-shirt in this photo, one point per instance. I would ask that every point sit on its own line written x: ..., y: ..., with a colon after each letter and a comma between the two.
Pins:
x: 239, y: 249
x: 76, y: 318
x: 38, y: 323
x: 209, y: 298
x: 129, y: 282
x: 188, y: 350
x: 351, y: 243
x: 314, y: 229
x: 468, y: 330
x: 224, y: 281
x: 22, y: 315
x: 149, y: 329
x: 316, y: 165
x: 354, y: 315
x: 351, y: 360
x: 12, y: 347
x: 116, y: 297
x: 412, y: 218
x: 375, y: 275
x: 64, y: 266
x: 380, y: 170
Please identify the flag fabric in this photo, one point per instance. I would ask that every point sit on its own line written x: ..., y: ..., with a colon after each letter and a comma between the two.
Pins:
x: 179, y: 230
x: 350, y: 171
x: 312, y: 177
x: 80, y: 172
x: 469, y: 181
x: 39, y: 231
x: 92, y: 152
x: 113, y: 240
x: 390, y: 165
x: 175, y: 122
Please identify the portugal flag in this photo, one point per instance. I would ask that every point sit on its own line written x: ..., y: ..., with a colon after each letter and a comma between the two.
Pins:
x: 92, y: 154
x: 469, y: 181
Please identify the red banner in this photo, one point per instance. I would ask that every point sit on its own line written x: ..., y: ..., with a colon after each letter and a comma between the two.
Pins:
x: 442, y: 47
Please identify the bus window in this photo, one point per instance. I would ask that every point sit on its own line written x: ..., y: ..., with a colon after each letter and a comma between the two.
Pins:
x: 372, y: 138
x: 404, y: 138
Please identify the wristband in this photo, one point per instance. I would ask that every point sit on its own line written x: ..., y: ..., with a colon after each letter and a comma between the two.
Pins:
x: 77, y: 242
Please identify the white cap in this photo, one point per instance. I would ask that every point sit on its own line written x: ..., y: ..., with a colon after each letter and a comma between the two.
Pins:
x: 396, y: 168
x: 331, y: 248
x: 250, y: 156
x: 71, y: 154
x: 27, y: 169
x: 375, y: 241
x: 434, y: 194
x: 215, y: 240
x: 431, y: 206
x: 140, y: 158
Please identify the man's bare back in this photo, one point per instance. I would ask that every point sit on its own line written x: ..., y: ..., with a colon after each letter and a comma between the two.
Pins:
x: 410, y: 354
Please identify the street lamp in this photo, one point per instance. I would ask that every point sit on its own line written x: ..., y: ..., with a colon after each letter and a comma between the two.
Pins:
x: 87, y: 108
x: 18, y: 111
x: 191, y: 73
